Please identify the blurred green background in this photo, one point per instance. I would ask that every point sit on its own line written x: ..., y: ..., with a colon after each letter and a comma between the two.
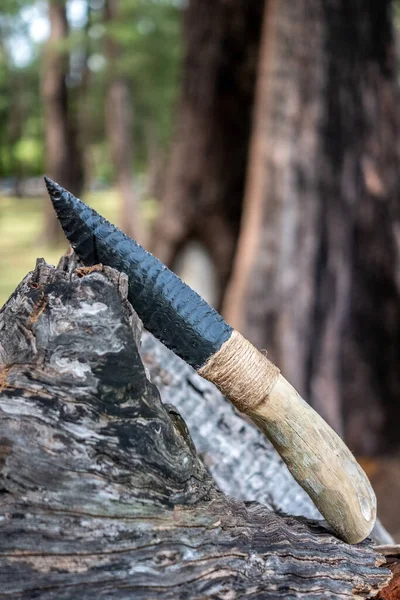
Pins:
x: 149, y: 40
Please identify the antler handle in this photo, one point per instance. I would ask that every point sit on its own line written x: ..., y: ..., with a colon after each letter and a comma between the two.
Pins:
x: 315, y: 455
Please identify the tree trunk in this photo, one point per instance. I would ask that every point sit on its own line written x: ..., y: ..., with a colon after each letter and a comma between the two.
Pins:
x: 62, y: 153
x: 119, y: 126
x: 14, y: 128
x: 101, y: 488
x: 156, y: 167
x: 371, y: 354
x: 314, y: 279
x: 205, y: 180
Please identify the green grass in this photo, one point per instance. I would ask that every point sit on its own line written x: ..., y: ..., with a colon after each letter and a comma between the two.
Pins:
x: 21, y: 225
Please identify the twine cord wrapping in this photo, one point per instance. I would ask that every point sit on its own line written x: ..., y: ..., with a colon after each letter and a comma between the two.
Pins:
x: 241, y: 373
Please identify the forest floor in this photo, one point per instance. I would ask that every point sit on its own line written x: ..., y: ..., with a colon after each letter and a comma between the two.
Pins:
x: 21, y: 231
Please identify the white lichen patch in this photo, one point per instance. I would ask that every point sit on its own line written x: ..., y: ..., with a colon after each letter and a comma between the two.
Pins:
x: 65, y: 365
x: 93, y: 309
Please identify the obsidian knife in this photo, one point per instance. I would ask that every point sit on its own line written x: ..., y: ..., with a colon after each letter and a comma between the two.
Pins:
x: 316, y: 456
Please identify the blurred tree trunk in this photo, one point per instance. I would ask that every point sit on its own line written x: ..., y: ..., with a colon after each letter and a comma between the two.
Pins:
x: 156, y: 159
x: 81, y: 101
x: 63, y: 157
x: 315, y: 272
x: 205, y: 179
x: 119, y: 125
x: 14, y: 128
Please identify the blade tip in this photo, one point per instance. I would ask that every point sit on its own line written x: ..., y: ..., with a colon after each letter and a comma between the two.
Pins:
x: 54, y: 190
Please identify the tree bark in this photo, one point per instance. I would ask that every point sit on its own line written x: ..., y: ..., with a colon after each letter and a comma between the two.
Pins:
x: 315, y: 273
x: 205, y: 179
x: 101, y: 488
x: 62, y: 152
x: 119, y: 126
x: 392, y: 591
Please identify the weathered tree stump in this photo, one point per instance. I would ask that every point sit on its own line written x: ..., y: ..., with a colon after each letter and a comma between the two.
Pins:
x: 102, y: 493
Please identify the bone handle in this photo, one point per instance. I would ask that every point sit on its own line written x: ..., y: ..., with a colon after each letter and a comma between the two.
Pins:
x: 315, y: 455
x: 319, y: 460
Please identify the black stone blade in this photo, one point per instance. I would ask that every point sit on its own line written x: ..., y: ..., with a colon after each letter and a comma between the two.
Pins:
x: 169, y: 308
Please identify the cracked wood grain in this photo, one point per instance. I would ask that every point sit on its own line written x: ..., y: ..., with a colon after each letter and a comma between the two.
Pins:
x: 102, y: 493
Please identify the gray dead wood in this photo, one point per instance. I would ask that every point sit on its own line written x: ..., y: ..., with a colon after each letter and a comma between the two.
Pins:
x: 102, y: 494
